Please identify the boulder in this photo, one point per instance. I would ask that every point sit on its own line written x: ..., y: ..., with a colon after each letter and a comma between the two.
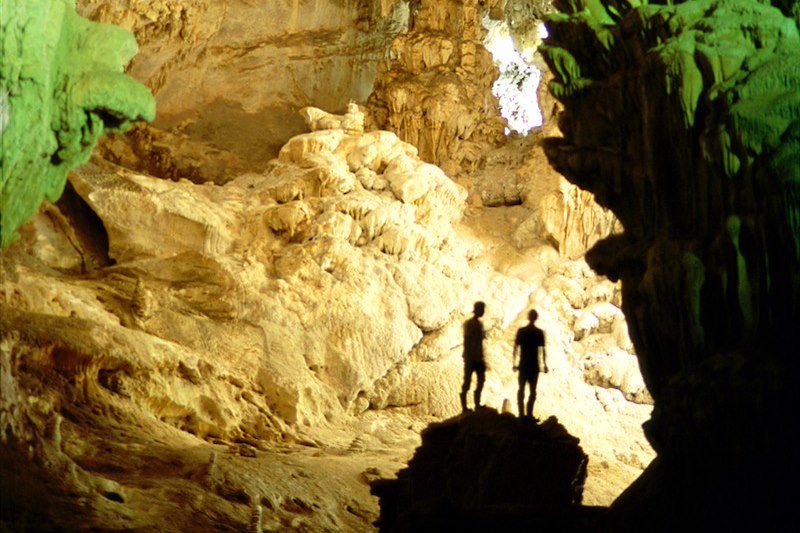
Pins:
x: 487, y: 470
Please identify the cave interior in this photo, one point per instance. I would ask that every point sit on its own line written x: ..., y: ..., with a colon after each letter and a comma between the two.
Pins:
x: 241, y: 243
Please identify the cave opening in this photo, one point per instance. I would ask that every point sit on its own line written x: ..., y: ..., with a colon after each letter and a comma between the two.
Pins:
x: 517, y: 85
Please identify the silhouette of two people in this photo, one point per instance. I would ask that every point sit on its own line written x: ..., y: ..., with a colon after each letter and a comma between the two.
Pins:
x: 473, y: 355
x: 528, y: 341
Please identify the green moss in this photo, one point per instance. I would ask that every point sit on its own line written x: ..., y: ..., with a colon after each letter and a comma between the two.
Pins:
x: 703, y: 95
x: 703, y: 99
x: 683, y: 77
x: 744, y: 289
x: 62, y: 86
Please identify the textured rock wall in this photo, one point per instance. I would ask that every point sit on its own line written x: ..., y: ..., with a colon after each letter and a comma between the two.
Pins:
x: 333, y: 238
x: 434, y: 85
x: 165, y: 342
x: 230, y: 75
x: 684, y: 120
x: 575, y: 221
x: 523, y: 17
x: 318, y: 302
x: 61, y: 87
x: 234, y: 315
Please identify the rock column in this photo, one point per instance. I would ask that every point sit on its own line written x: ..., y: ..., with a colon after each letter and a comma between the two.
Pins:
x: 685, y: 121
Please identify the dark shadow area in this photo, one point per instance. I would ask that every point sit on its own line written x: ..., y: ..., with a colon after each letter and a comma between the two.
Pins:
x: 28, y: 492
x: 256, y: 137
x: 88, y: 229
x: 710, y: 257
x: 486, y: 471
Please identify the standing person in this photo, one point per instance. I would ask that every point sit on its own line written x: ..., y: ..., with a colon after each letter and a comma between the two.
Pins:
x: 529, y: 339
x: 473, y: 355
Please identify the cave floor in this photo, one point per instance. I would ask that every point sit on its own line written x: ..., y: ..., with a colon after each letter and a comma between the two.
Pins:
x: 147, y: 474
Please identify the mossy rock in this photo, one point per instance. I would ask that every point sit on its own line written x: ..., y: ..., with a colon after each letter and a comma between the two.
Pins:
x: 62, y: 86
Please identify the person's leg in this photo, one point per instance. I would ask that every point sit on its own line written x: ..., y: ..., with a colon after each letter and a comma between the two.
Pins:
x: 533, y: 379
x: 481, y: 371
x: 521, y: 394
x: 465, y: 386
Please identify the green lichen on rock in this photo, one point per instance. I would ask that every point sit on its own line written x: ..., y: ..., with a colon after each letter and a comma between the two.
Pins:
x: 62, y: 86
x: 683, y: 117
x: 679, y: 122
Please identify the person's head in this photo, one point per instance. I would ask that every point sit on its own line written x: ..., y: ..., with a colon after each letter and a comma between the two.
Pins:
x: 533, y: 315
x: 479, y: 308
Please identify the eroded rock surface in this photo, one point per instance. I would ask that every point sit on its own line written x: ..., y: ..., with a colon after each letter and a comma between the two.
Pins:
x: 683, y: 119
x: 355, y: 216
x: 181, y: 354
x: 229, y: 76
x: 312, y: 309
x: 434, y: 85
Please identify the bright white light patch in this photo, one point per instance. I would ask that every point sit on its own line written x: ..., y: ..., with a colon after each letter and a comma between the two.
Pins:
x: 543, y: 31
x: 503, y: 51
x: 518, y: 84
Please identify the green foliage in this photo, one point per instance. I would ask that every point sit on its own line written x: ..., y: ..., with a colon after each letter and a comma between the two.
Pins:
x: 62, y: 85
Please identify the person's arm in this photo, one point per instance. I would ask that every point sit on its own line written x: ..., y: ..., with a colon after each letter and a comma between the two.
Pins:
x: 514, y: 353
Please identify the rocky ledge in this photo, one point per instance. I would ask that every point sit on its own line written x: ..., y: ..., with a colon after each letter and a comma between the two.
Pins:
x: 489, y: 471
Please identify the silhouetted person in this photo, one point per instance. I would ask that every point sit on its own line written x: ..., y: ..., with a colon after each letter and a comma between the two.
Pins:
x: 529, y: 339
x: 473, y: 355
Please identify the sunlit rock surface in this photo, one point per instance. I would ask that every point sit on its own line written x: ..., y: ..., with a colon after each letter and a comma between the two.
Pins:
x: 304, y: 317
x: 61, y: 87
x: 434, y: 85
x: 684, y: 120
x: 314, y: 264
x: 229, y: 76
x: 485, y: 470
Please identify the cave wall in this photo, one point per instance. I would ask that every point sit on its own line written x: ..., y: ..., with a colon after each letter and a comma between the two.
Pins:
x: 684, y: 119
x: 148, y: 354
x: 434, y: 86
x: 62, y: 87
x: 230, y: 75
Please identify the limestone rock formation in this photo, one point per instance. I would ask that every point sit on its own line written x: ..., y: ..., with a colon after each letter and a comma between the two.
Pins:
x: 522, y: 16
x: 224, y: 316
x: 559, y: 212
x: 434, y: 85
x: 684, y: 119
x: 295, y: 307
x: 575, y: 221
x: 332, y: 212
x: 229, y: 76
x: 486, y: 470
x: 61, y: 87
x: 351, y: 122
x: 187, y: 345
